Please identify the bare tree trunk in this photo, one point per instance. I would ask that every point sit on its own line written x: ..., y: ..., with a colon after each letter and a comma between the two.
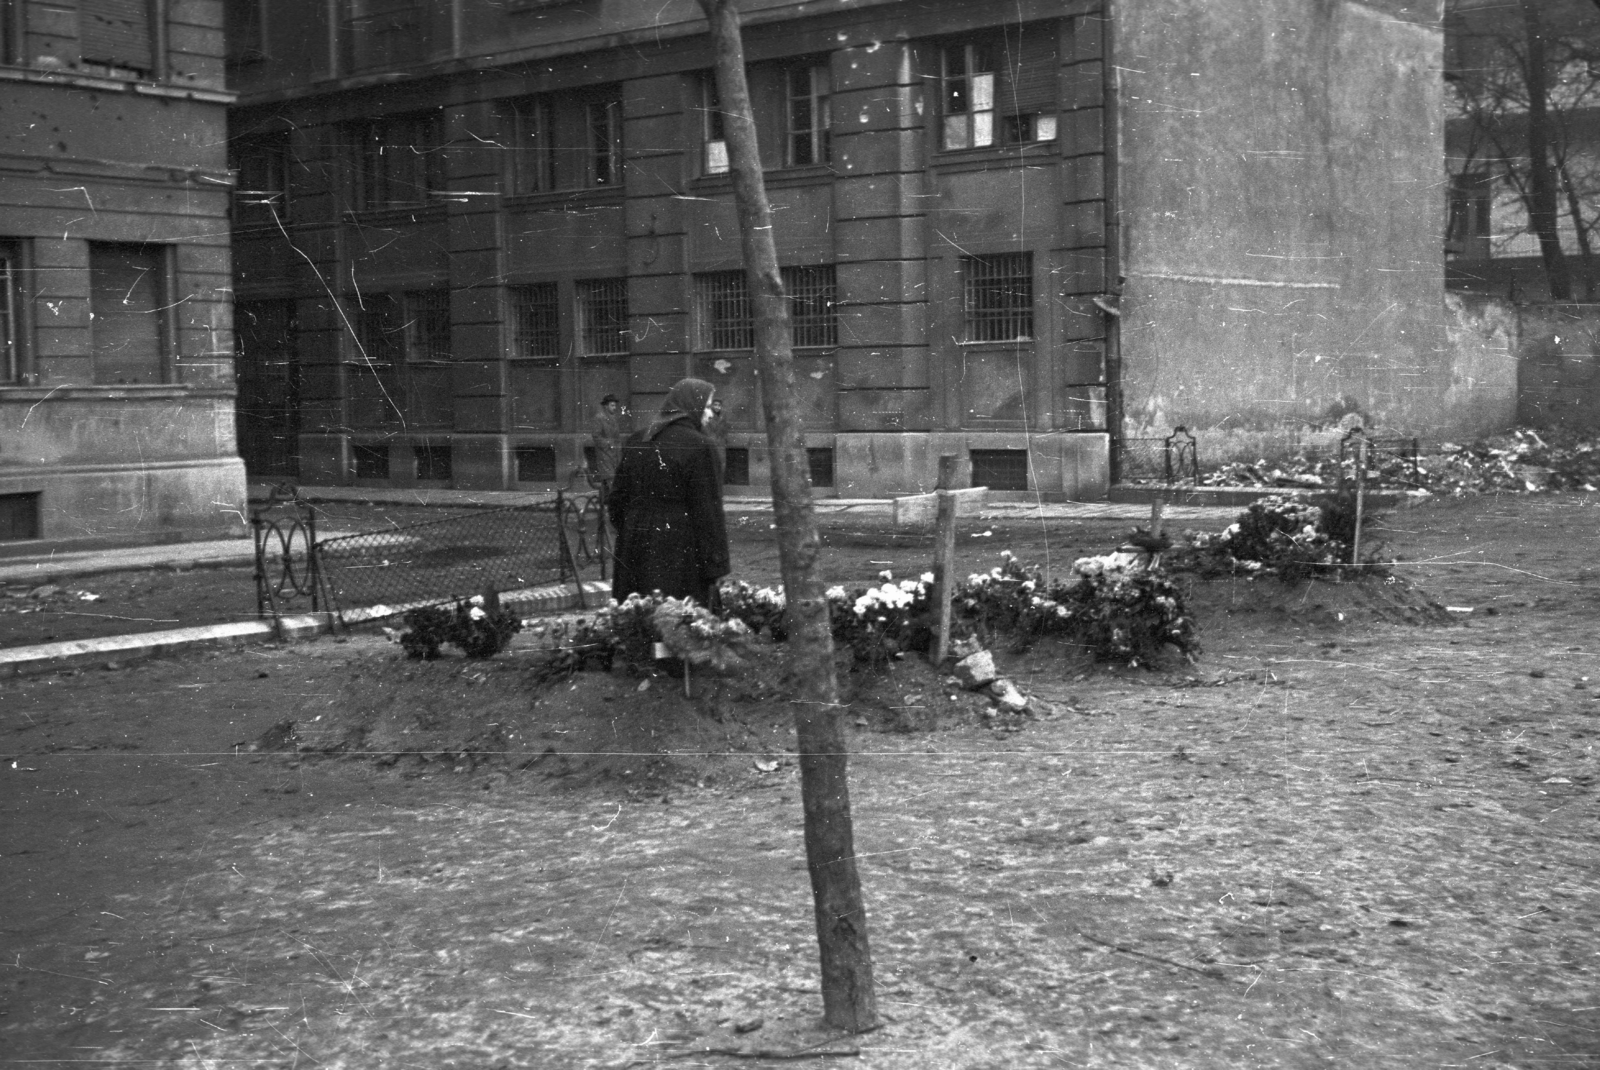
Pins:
x: 1580, y: 226
x: 848, y: 999
x: 1541, y: 184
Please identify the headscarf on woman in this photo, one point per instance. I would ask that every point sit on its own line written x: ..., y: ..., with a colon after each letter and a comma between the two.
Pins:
x: 688, y: 398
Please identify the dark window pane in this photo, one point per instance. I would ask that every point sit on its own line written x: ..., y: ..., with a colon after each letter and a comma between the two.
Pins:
x: 536, y: 464
x: 433, y: 460
x: 1000, y: 469
x: 19, y: 517
x: 372, y: 460
x: 737, y: 471
x: 125, y: 298
x: 821, y: 464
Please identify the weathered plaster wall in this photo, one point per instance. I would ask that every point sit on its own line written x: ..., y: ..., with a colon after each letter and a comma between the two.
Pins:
x: 1281, y: 206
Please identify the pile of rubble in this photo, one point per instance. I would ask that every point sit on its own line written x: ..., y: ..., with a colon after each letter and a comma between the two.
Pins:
x: 975, y: 671
x: 1521, y: 461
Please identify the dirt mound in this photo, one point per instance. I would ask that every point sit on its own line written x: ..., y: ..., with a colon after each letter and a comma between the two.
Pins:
x: 1313, y: 603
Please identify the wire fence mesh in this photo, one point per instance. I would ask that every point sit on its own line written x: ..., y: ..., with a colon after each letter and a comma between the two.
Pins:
x: 455, y: 557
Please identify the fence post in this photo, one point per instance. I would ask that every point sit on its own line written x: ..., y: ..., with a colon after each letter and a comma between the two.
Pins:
x: 944, y: 555
x: 1361, y: 496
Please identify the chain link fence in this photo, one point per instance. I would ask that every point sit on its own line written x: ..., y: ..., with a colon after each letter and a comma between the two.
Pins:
x: 455, y: 557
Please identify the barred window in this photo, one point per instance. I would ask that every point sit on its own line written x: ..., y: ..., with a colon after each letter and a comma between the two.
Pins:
x: 727, y: 318
x: 998, y: 297
x: 809, y: 114
x: 603, y: 316
x: 536, y: 323
x: 813, y: 296
x: 723, y: 310
x: 427, y: 325
x: 412, y: 326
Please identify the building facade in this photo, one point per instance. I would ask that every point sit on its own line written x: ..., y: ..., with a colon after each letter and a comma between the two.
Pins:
x: 461, y: 224
x: 116, y: 353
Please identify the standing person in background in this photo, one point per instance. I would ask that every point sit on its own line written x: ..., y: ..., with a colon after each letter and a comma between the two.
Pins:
x: 607, y: 438
x: 716, y: 429
x: 666, y: 503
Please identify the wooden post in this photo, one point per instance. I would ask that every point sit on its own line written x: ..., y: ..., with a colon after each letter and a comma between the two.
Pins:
x: 944, y: 556
x: 1158, y: 509
x: 1361, y: 497
x: 848, y: 999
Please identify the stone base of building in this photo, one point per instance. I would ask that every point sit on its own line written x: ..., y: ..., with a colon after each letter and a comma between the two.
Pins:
x: 1055, y: 466
x: 92, y: 506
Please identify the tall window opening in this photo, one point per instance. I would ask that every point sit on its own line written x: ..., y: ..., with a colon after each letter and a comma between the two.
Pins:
x: 565, y: 140
x: 809, y: 114
x: 10, y: 315
x: 603, y: 317
x: 398, y: 161
x: 998, y: 292
x: 1000, y: 88
x: 127, y: 285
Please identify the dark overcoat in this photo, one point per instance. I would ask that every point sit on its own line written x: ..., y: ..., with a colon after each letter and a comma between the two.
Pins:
x: 666, y: 508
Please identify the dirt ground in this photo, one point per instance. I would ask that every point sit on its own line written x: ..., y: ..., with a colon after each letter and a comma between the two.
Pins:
x: 1360, y: 832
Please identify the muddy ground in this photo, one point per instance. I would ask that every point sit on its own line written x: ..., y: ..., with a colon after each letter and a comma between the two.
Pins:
x: 1361, y: 831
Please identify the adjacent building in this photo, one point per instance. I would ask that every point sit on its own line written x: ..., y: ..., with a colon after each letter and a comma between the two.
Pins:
x: 1029, y: 234
x: 116, y: 355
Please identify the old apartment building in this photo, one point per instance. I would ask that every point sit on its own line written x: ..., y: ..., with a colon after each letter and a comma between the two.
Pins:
x: 1028, y: 234
x: 116, y: 378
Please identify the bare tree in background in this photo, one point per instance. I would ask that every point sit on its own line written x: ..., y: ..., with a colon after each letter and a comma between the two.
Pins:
x: 848, y: 999
x: 1526, y: 78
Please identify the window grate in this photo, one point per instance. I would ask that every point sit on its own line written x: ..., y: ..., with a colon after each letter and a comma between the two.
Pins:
x: 820, y: 461
x: 536, y: 327
x: 813, y: 297
x: 433, y: 461
x: 372, y: 460
x: 1000, y: 469
x: 427, y: 325
x: 536, y: 464
x: 999, y: 297
x: 603, y: 316
x: 725, y: 315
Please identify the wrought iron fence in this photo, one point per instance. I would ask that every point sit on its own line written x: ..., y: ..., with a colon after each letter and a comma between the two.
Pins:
x: 1173, y: 460
x: 285, y: 530
x: 435, y: 561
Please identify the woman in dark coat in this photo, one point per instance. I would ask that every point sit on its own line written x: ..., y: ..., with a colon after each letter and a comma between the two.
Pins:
x: 666, y: 504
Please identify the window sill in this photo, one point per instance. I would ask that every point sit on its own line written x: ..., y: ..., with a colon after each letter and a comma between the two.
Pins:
x: 108, y: 391
x: 115, y: 84
x: 775, y: 177
x: 987, y: 158
x: 418, y: 213
x: 598, y: 196
x: 1012, y: 343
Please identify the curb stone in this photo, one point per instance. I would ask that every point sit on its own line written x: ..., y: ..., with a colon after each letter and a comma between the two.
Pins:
x: 76, y: 653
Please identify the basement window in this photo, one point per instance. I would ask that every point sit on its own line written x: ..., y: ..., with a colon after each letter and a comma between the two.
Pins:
x: 372, y: 460
x: 536, y: 464
x: 1000, y: 469
x: 433, y: 461
x: 821, y: 463
x: 19, y: 517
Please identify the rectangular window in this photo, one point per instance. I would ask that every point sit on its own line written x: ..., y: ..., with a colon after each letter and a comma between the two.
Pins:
x: 809, y: 115
x: 999, y: 88
x: 1471, y: 198
x: 433, y: 461
x: 998, y: 302
x: 726, y: 317
x: 536, y: 464
x: 1000, y: 469
x: 372, y: 460
x: 10, y: 316
x: 261, y: 192
x: 813, y: 314
x: 19, y: 517
x: 603, y: 317
x: 820, y: 461
x: 244, y: 31
x: 407, y: 327
x: 536, y: 330
x: 713, y: 129
x: 385, y: 33
x: 566, y: 140
x: 736, y: 473
x: 398, y: 161
x: 114, y: 35
x: 127, y: 285
x: 605, y: 142
x: 723, y: 311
